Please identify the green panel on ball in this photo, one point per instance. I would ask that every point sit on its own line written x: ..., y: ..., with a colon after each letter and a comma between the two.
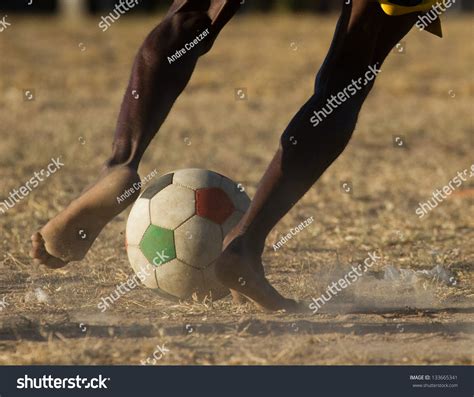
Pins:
x: 158, y: 245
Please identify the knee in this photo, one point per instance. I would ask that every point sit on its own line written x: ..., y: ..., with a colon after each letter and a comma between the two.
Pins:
x: 180, y: 30
x: 336, y: 111
x: 349, y: 83
x: 182, y: 24
x: 318, y: 127
x: 352, y: 71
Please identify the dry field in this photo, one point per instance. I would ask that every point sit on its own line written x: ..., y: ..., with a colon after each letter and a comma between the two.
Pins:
x: 79, y: 74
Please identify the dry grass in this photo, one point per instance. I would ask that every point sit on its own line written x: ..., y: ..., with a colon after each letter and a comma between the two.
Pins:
x: 78, y: 94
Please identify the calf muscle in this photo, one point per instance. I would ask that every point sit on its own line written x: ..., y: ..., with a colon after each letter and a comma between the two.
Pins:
x: 162, y: 69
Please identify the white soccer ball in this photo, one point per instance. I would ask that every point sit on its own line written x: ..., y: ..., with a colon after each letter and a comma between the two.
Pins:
x: 176, y: 228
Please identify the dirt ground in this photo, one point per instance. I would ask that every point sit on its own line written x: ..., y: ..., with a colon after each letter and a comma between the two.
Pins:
x: 78, y: 75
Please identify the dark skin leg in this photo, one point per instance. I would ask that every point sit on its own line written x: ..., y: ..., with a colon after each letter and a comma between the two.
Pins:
x: 158, y: 84
x: 57, y: 244
x: 157, y: 81
x: 364, y: 37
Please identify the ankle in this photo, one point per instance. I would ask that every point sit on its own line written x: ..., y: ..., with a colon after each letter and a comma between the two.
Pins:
x: 241, y: 244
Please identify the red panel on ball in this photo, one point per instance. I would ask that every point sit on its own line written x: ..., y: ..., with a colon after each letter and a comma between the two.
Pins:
x: 213, y: 204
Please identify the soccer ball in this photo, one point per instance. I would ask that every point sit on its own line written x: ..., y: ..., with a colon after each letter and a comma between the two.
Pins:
x: 176, y: 228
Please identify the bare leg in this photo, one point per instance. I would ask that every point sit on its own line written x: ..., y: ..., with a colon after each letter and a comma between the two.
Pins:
x: 363, y: 38
x: 158, y: 83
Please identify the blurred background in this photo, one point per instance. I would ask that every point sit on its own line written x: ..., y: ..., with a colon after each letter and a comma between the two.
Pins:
x: 145, y: 6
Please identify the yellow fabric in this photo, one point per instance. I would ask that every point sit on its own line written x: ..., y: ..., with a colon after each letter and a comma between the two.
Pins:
x: 393, y: 9
x: 426, y: 5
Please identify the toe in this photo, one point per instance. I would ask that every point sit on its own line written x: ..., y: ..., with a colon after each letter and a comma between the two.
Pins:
x: 37, y: 238
x: 37, y: 246
x: 41, y: 256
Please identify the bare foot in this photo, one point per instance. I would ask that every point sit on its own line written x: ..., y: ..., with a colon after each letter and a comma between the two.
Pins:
x: 69, y: 235
x: 237, y: 271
